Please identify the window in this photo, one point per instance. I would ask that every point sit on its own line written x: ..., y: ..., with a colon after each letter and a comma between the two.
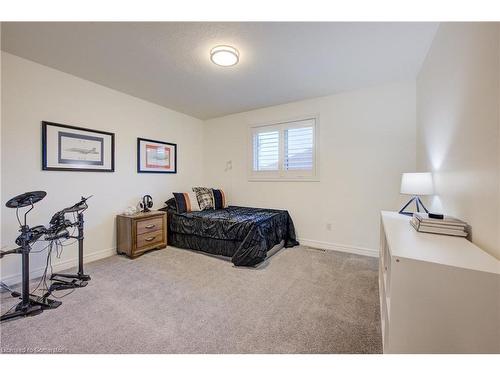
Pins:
x: 266, y: 151
x: 284, y: 151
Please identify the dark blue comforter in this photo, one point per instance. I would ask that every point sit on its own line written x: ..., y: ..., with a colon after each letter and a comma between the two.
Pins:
x: 245, y: 234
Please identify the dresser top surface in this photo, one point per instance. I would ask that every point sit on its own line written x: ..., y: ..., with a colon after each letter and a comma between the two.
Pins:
x: 404, y: 241
x: 144, y: 215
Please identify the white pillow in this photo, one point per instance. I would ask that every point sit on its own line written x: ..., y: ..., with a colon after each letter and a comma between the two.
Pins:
x: 193, y: 200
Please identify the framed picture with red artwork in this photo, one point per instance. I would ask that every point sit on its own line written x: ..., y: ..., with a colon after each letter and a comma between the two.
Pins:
x: 156, y: 156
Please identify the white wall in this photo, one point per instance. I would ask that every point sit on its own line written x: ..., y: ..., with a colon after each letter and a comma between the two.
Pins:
x: 32, y: 93
x: 458, y: 126
x: 0, y: 125
x: 367, y: 139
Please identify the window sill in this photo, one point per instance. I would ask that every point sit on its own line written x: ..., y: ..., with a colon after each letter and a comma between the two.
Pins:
x: 264, y: 179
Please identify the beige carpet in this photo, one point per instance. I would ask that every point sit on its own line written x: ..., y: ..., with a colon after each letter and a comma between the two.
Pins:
x: 176, y: 301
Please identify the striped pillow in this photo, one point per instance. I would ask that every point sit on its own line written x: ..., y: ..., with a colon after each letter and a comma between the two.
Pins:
x: 186, y: 202
x: 219, y: 199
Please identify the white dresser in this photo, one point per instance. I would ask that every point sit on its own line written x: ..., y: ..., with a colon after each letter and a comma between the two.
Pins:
x: 438, y: 294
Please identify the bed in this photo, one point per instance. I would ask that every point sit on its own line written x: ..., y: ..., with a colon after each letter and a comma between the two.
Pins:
x: 243, y: 234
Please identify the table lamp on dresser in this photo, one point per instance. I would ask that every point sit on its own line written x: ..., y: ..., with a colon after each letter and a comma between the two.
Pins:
x: 416, y: 184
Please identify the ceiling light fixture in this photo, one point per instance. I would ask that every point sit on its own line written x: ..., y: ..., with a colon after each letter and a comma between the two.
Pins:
x: 224, y: 55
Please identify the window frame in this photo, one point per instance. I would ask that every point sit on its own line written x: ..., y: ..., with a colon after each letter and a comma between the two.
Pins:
x: 281, y: 174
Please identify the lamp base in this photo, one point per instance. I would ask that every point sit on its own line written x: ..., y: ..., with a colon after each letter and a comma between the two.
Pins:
x: 418, y: 203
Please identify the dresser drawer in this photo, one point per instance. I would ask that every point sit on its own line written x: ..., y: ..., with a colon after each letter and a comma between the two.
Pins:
x: 149, y: 226
x: 150, y: 239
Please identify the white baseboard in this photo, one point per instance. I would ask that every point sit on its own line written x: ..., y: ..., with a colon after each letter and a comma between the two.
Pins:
x: 96, y: 255
x: 60, y: 266
x: 337, y: 247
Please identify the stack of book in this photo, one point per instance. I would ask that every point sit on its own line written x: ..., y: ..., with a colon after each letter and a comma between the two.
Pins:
x: 448, y: 225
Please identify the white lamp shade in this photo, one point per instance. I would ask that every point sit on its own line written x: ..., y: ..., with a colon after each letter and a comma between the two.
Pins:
x: 417, y: 184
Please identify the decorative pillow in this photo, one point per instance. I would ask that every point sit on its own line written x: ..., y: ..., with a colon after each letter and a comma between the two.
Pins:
x: 186, y: 202
x: 205, y: 197
x: 171, y: 204
x: 219, y: 199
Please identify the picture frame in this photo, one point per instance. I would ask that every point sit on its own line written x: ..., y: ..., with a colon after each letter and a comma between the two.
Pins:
x: 156, y: 156
x: 77, y: 149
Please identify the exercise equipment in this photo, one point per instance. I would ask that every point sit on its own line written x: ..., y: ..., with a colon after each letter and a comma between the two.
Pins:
x: 60, y: 223
x: 32, y: 304
x: 26, y: 199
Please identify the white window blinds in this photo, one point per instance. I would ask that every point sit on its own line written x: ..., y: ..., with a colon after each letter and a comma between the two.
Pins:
x: 286, y: 151
x: 266, y: 151
x: 299, y: 143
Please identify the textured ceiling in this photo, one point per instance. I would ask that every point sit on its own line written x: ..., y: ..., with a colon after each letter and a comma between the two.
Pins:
x: 168, y: 62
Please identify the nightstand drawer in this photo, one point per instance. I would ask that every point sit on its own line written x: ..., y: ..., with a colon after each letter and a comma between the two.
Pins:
x: 148, y: 226
x: 150, y: 239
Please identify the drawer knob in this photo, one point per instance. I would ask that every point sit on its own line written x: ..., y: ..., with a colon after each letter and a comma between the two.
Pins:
x: 150, y: 238
x: 150, y: 226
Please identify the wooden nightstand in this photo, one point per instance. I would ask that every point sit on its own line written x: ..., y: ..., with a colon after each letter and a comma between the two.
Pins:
x: 136, y: 234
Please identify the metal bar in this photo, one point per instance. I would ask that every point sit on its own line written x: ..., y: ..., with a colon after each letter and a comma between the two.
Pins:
x: 80, y: 244
x: 26, y: 277
x: 401, y: 211
x: 425, y: 209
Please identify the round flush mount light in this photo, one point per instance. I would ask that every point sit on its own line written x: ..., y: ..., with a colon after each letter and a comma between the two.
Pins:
x: 224, y: 55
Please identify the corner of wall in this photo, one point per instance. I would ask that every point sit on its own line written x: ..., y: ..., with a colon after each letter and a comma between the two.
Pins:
x: 458, y: 126
x: 498, y: 202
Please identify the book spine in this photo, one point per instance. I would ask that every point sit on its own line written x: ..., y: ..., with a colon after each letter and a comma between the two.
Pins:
x: 440, y: 230
x: 457, y: 234
x: 419, y: 227
x: 443, y: 225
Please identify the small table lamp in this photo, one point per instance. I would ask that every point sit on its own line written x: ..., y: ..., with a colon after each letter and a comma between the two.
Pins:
x: 416, y: 184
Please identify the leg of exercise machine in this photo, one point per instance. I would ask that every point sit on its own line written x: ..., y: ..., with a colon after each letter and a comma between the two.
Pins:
x: 30, y: 304
x: 78, y: 280
x: 27, y: 306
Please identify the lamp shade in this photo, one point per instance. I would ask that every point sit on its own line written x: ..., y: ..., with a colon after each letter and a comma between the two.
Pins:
x: 417, y: 184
